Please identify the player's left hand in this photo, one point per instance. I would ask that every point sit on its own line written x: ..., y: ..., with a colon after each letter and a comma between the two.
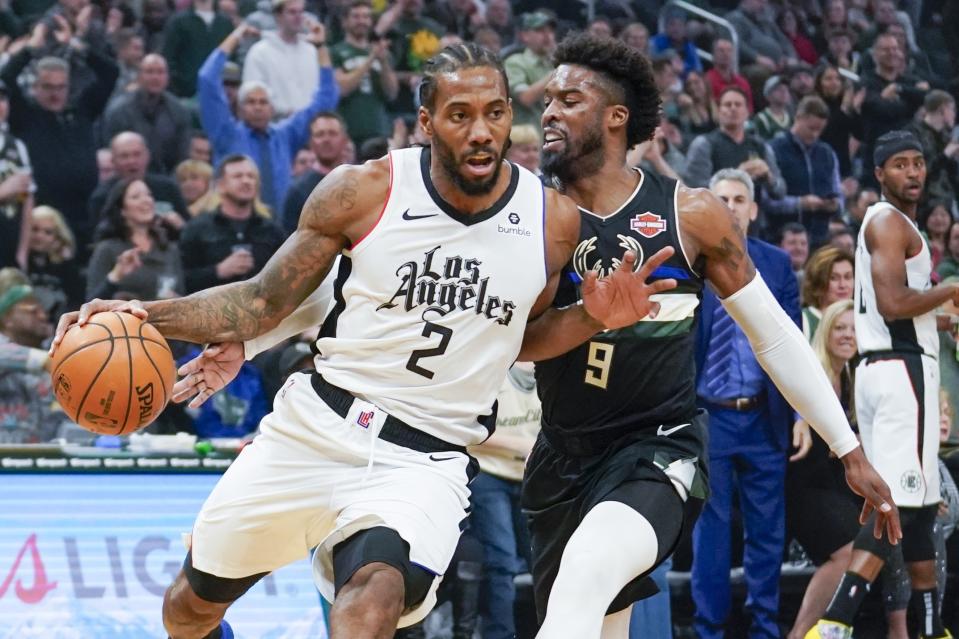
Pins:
x: 866, y: 482
x: 622, y: 298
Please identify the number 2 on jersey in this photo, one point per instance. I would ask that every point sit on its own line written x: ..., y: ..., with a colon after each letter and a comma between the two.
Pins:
x: 428, y: 329
x: 598, y: 362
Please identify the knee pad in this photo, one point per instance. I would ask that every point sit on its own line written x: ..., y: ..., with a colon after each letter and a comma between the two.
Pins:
x: 217, y: 589
x: 918, y: 543
x: 380, y: 545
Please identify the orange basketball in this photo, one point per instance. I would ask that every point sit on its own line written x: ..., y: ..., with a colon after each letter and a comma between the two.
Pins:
x: 113, y: 375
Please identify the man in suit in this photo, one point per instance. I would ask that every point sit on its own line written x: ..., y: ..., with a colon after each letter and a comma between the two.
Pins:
x: 749, y: 425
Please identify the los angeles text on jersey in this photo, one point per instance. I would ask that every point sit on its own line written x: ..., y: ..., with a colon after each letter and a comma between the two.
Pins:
x: 458, y: 284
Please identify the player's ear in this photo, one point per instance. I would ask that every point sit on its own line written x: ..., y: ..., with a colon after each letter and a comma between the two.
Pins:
x: 425, y: 121
x: 878, y: 173
x: 618, y: 116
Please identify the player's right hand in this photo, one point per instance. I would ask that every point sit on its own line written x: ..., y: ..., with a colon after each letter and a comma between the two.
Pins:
x: 866, y: 482
x: 210, y: 371
x: 67, y: 320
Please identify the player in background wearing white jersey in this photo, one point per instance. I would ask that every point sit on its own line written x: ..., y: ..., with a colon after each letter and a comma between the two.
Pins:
x: 897, y: 386
x: 334, y: 469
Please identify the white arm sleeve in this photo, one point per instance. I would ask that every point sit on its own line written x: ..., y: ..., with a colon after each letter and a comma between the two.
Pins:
x: 788, y: 359
x: 310, y: 313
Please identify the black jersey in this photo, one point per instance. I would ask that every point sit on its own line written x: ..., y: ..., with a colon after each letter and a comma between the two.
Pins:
x: 643, y: 375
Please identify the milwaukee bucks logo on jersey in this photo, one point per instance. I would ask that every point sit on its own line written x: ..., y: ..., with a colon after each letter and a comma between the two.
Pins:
x: 586, y: 257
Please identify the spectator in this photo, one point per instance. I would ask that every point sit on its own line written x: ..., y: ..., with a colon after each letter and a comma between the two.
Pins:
x: 129, y: 47
x: 844, y: 122
x: 272, y: 146
x: 723, y: 74
x: 828, y: 279
x: 776, y: 116
x: 263, y: 19
x: 884, y: 16
x: 600, y: 27
x: 934, y: 220
x: 695, y: 107
x: 795, y: 241
x: 917, y: 62
x: 302, y: 162
x: 457, y: 17
x: 29, y: 413
x: 199, y: 147
x: 658, y: 155
x: 372, y: 149
x: 51, y: 266
x: 940, y: 146
x: 674, y: 37
x: 525, y: 144
x: 749, y: 425
x: 286, y: 61
x: 156, y: 14
x: 365, y: 75
x: 949, y: 264
x: 189, y: 38
x: 58, y: 131
x: 488, y: 38
x: 415, y: 39
x: 195, y: 179
x: 328, y: 140
x: 793, y: 29
x: 16, y: 192
x: 232, y: 79
x: 105, y: 168
x: 529, y: 71
x: 132, y: 255
x: 892, y: 97
x: 236, y: 410
x: 230, y: 243
x: 499, y: 18
x: 496, y: 520
x: 811, y: 171
x: 761, y: 42
x: 154, y: 113
x: 801, y: 80
x: 636, y: 35
x: 840, y: 52
x: 730, y: 146
x: 131, y: 158
x: 668, y: 83
x: 843, y: 239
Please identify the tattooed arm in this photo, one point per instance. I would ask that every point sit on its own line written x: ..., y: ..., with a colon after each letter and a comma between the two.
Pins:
x: 335, y: 216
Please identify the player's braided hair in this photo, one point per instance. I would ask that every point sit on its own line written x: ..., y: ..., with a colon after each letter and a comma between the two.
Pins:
x: 627, y: 73
x: 453, y: 58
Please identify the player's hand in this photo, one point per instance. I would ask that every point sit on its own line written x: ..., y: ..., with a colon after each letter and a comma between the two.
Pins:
x: 622, y: 298
x: 866, y: 482
x: 802, y: 440
x: 81, y: 317
x: 215, y: 367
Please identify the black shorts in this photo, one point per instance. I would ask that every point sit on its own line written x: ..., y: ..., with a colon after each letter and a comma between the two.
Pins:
x: 559, y: 489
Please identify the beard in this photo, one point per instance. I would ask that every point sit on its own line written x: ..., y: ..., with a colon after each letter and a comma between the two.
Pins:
x: 577, y: 160
x: 451, y: 166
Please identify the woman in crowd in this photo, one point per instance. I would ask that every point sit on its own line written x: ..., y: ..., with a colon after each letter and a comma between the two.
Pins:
x: 51, y: 265
x: 524, y: 147
x: 936, y: 223
x: 195, y: 179
x: 695, y: 107
x: 790, y: 25
x: 133, y: 255
x: 844, y: 125
x: 822, y: 514
x: 949, y: 264
x: 828, y: 279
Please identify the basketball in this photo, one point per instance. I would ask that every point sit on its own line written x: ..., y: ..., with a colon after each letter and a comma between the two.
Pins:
x: 113, y: 375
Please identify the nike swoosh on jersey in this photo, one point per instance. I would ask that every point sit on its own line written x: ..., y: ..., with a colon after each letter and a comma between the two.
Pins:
x: 669, y: 431
x: 438, y: 459
x: 407, y: 216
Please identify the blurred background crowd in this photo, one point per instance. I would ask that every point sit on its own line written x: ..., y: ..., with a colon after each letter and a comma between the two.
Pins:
x: 152, y: 148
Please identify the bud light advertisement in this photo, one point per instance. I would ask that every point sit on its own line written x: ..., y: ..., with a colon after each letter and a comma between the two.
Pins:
x: 90, y: 556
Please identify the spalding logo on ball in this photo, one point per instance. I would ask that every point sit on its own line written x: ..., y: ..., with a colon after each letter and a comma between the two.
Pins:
x: 114, y: 374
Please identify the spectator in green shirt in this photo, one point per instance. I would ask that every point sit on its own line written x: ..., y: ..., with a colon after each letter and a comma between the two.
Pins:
x: 528, y: 71
x: 365, y: 75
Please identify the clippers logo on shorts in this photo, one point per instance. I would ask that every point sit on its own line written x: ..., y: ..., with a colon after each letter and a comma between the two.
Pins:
x: 911, y: 481
x: 365, y: 418
x: 585, y: 260
x: 456, y: 285
x: 648, y: 224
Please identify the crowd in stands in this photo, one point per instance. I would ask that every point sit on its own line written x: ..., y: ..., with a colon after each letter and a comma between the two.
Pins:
x: 151, y: 149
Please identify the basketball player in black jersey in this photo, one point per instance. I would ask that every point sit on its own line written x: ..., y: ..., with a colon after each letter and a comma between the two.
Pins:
x: 618, y: 470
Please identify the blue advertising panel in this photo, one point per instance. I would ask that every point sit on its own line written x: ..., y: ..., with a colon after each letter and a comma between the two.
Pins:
x: 85, y: 556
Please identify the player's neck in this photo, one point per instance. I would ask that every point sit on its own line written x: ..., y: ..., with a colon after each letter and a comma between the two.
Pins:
x: 606, y: 190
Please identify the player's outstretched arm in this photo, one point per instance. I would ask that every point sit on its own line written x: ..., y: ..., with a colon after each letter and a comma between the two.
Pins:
x: 335, y: 216
x: 620, y: 299
x: 888, y: 238
x: 710, y: 230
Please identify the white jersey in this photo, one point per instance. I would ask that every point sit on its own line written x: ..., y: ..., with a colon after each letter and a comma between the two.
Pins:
x: 873, y: 332
x: 431, y: 305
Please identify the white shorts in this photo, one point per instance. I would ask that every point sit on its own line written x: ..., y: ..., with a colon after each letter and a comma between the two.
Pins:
x: 311, y: 479
x: 897, y: 406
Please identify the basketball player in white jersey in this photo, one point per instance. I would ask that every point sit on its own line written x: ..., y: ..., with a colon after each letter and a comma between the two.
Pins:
x: 447, y: 253
x: 897, y: 386
x: 613, y: 509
